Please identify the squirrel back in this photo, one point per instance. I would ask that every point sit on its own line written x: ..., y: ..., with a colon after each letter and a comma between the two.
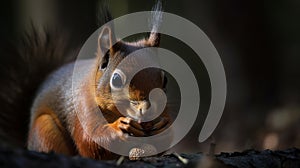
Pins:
x: 26, y: 62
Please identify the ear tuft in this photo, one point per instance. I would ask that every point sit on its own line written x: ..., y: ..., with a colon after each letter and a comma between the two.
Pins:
x: 155, y: 23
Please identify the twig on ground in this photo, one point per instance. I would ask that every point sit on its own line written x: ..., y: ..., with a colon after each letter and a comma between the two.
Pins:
x: 120, y: 160
x: 183, y: 160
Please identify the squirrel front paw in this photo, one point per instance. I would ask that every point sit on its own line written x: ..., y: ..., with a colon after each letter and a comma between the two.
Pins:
x: 125, y: 126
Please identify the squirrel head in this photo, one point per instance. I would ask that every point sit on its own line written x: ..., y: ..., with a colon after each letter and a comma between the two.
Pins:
x: 109, y: 78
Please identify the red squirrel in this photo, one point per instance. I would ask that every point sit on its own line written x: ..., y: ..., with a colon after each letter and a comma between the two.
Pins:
x: 54, y: 125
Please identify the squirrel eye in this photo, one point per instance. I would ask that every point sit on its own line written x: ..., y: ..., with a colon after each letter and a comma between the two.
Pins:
x: 117, y: 80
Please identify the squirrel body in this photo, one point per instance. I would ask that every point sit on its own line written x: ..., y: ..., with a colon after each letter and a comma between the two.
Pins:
x: 63, y: 108
x: 62, y: 101
x: 64, y: 114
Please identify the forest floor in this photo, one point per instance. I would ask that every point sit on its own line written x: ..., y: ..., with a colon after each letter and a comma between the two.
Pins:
x: 22, y: 158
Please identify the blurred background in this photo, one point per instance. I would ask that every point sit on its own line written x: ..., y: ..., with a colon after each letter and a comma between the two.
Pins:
x: 259, y: 44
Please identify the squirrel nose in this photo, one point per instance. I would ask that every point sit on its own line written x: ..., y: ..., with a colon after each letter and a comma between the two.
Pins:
x: 140, y: 106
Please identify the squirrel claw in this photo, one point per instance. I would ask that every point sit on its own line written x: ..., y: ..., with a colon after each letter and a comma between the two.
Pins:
x: 129, y: 126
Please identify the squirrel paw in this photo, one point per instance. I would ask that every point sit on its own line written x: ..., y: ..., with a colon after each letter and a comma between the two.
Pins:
x: 128, y: 126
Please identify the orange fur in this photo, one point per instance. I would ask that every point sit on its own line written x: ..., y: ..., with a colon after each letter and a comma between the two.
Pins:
x: 47, y: 129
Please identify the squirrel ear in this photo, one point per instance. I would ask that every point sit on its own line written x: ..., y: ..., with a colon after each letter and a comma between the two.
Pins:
x: 106, y: 40
x: 154, y: 39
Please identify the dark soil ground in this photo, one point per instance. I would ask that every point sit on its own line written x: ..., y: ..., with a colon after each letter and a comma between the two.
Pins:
x: 289, y: 158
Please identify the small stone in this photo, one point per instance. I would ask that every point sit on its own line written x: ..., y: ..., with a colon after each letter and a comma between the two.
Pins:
x: 142, y: 151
